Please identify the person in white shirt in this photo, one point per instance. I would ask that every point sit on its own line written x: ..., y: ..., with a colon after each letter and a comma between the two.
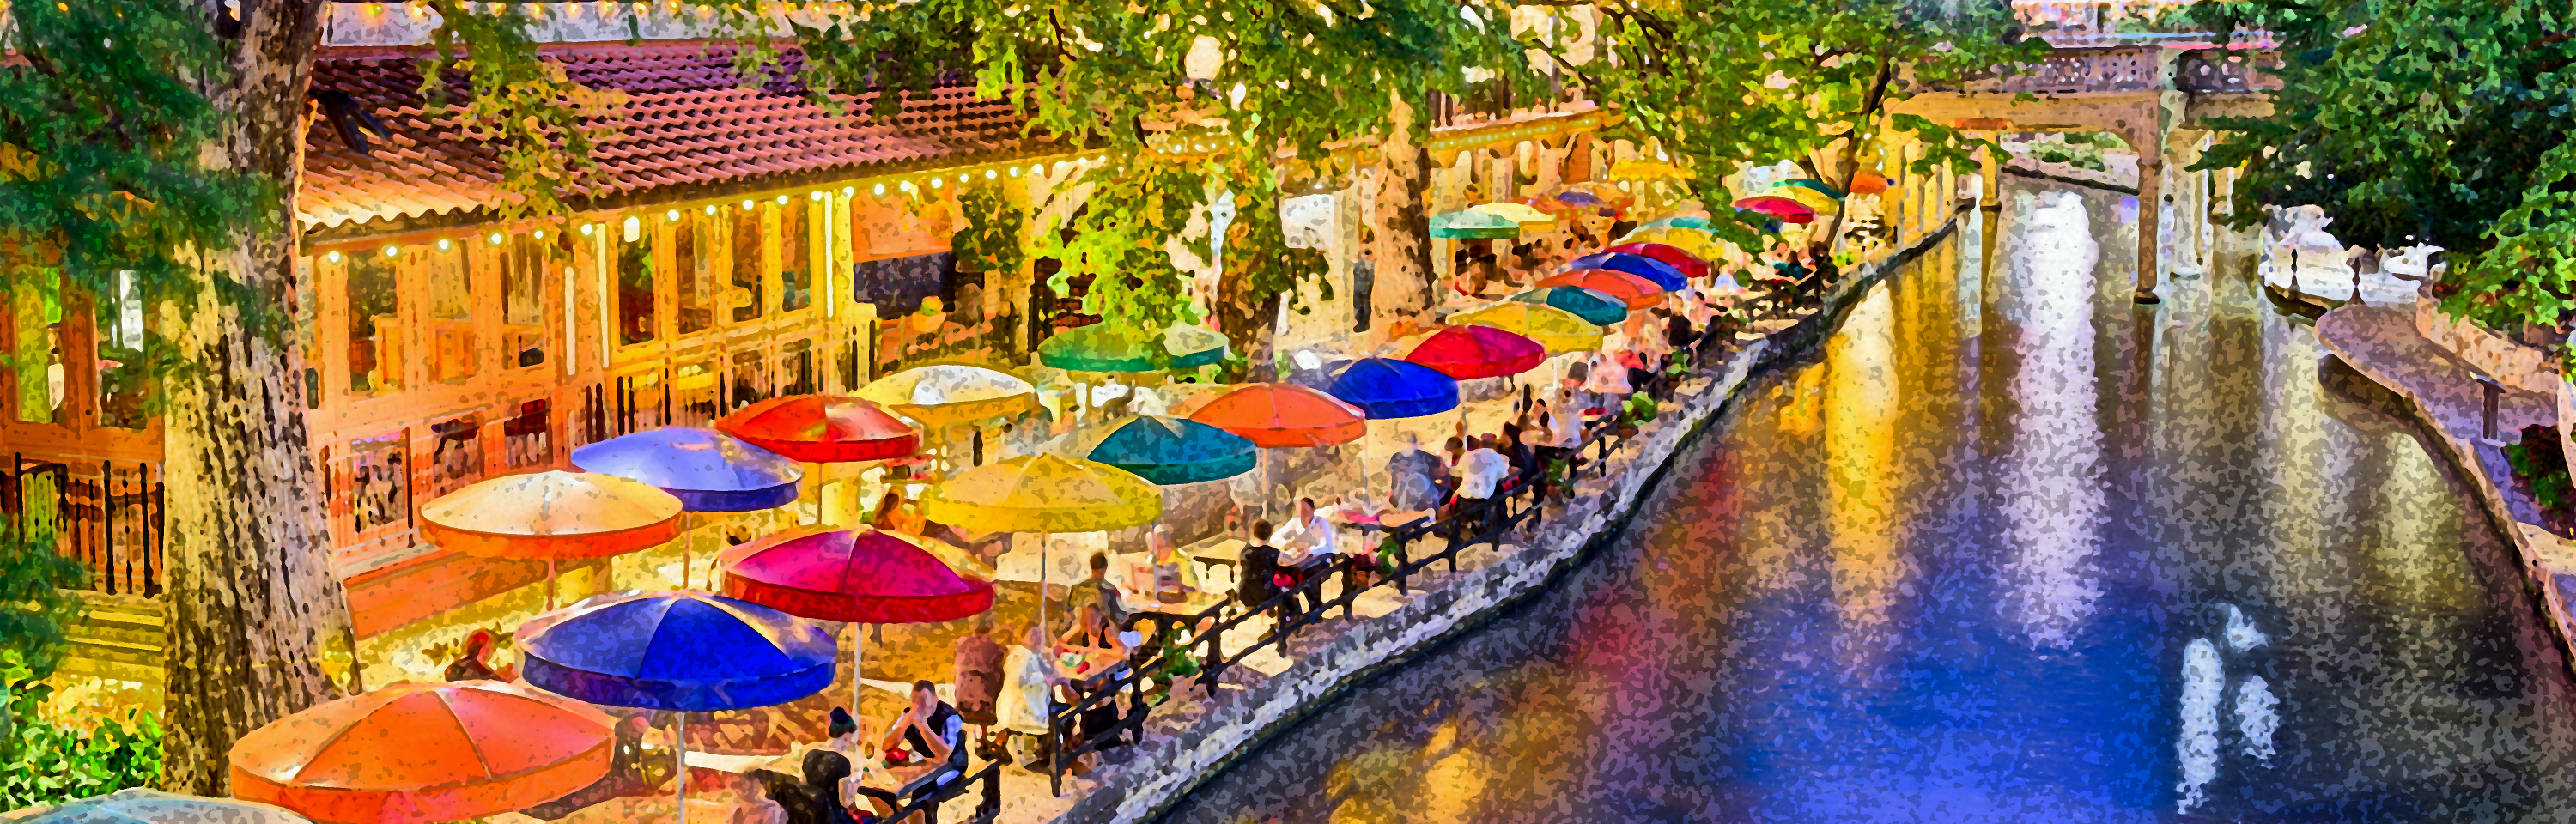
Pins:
x: 1309, y: 537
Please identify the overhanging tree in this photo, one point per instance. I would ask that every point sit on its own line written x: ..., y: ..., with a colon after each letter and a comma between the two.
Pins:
x: 2442, y: 121
x: 1722, y: 85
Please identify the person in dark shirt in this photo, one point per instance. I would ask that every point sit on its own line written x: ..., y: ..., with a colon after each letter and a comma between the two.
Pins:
x: 470, y: 665
x: 820, y: 801
x: 1259, y: 568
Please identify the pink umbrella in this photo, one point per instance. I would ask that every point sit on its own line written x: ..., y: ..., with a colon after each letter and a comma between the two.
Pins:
x: 1788, y: 211
x: 860, y: 576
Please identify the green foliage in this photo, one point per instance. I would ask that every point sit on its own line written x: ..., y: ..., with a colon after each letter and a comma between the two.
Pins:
x: 49, y: 762
x: 520, y: 103
x: 2540, y: 463
x: 991, y: 237
x: 1728, y: 84
x: 36, y: 602
x: 2444, y: 120
x: 100, y: 134
x: 1117, y: 240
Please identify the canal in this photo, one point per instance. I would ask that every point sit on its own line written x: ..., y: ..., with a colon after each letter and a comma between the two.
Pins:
x: 2007, y: 549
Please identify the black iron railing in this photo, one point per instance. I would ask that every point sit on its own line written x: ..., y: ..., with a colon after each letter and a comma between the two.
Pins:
x: 111, y: 522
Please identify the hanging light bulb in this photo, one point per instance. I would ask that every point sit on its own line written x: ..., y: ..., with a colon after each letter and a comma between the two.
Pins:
x: 988, y: 174
x: 496, y: 238
x: 334, y: 257
x: 541, y: 234
x: 746, y: 205
x: 711, y: 209
x: 934, y: 182
x: 878, y: 190
x: 585, y: 230
x: 672, y: 216
x: 847, y: 191
x: 391, y: 251
x: 442, y: 244
x: 816, y: 196
x: 782, y: 200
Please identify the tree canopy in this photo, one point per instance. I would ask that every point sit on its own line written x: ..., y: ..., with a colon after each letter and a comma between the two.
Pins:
x: 1728, y: 84
x: 2443, y: 121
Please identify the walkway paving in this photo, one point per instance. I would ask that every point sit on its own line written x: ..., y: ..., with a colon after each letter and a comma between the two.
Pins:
x: 2382, y: 343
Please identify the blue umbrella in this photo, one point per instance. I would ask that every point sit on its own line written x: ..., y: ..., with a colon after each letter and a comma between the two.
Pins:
x: 685, y: 650
x: 1388, y: 388
x: 1167, y: 451
x: 1678, y: 223
x: 1661, y: 273
x: 708, y: 471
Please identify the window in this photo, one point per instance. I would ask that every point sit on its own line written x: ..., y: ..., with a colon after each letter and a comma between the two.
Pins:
x: 846, y: 364
x: 523, y: 302
x: 123, y: 379
x: 451, y: 317
x: 750, y: 382
x: 379, y: 493
x: 696, y: 288
x: 694, y: 385
x: 745, y: 297
x: 639, y: 402
x: 36, y: 311
x: 375, y: 326
x: 635, y: 318
x: 796, y: 367
x: 795, y: 259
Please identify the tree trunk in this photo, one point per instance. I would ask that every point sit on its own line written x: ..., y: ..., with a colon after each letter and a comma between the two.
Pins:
x: 1405, y: 288
x: 1251, y: 324
x: 251, y: 600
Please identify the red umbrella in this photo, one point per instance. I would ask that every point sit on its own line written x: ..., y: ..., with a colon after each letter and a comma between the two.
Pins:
x: 862, y: 575
x: 1637, y: 292
x: 1690, y: 265
x: 823, y: 429
x: 1466, y: 352
x: 858, y: 576
x: 1273, y: 415
x: 420, y: 753
x: 1787, y: 210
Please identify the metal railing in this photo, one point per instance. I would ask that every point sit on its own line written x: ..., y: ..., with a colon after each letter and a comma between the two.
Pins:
x: 110, y: 522
x: 988, y: 806
x: 1469, y: 523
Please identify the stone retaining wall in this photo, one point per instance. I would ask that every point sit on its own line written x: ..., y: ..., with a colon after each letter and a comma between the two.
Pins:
x: 2511, y: 362
x: 1203, y: 740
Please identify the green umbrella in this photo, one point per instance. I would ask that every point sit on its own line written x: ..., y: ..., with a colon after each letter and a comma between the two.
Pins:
x: 1474, y: 224
x: 1098, y: 348
x: 1593, y: 307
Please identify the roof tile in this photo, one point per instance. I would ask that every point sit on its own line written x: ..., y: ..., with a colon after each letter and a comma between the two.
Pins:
x: 687, y: 122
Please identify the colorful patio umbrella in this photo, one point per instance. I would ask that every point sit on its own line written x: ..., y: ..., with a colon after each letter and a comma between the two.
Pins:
x: 1682, y: 222
x: 1168, y: 451
x: 1592, y: 307
x: 942, y: 395
x: 552, y: 516
x: 1647, y: 170
x: 1699, y: 242
x: 1385, y: 388
x: 1664, y: 277
x: 708, y: 471
x: 1558, y: 330
x: 1470, y: 352
x: 1691, y: 266
x: 1635, y: 291
x: 1530, y: 218
x: 1868, y: 183
x: 858, y: 576
x: 1470, y: 224
x: 823, y: 429
x: 1044, y: 494
x: 141, y: 806
x: 1816, y: 186
x: 421, y: 753
x: 1283, y: 415
x: 683, y: 650
x: 1785, y: 209
x: 1098, y: 348
x: 1598, y: 192
x: 1805, y: 196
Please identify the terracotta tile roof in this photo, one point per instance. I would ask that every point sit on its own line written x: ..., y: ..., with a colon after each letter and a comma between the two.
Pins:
x: 687, y: 123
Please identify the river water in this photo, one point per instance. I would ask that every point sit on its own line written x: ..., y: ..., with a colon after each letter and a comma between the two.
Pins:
x: 2007, y: 550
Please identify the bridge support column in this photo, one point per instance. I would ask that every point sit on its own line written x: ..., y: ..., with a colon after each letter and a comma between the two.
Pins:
x: 2151, y: 173
x: 2190, y: 201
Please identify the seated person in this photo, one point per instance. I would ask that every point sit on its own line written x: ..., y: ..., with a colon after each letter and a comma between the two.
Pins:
x: 932, y: 735
x: 1092, y: 634
x: 1097, y: 590
x: 469, y: 666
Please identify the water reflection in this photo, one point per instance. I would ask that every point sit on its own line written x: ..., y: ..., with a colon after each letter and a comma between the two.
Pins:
x: 2246, y: 587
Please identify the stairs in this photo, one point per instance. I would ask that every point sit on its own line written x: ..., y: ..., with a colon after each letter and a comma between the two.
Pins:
x: 118, y: 639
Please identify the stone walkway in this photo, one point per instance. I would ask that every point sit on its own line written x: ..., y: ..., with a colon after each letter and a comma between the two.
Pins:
x: 2382, y: 344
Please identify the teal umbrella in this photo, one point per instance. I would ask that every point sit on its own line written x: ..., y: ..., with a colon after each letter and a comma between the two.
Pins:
x: 1817, y: 185
x: 1098, y: 348
x: 1593, y: 307
x: 1678, y: 222
x: 1473, y: 224
x: 1166, y: 451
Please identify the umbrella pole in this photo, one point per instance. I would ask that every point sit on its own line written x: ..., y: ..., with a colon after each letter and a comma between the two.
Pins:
x: 1043, y: 633
x: 680, y: 742
x: 550, y: 584
x: 858, y: 665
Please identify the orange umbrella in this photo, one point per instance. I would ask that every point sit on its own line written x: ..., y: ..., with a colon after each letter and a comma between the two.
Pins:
x: 1635, y: 291
x: 552, y: 515
x: 422, y: 753
x: 1284, y: 415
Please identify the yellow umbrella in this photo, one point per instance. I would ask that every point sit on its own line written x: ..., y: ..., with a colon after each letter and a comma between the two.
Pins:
x: 1558, y: 330
x: 1647, y: 170
x: 944, y: 395
x: 1700, y: 243
x: 1044, y: 493
x: 1810, y: 198
x: 1529, y: 217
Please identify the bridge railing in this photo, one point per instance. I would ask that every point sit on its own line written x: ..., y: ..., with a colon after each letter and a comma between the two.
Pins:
x: 2132, y: 69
